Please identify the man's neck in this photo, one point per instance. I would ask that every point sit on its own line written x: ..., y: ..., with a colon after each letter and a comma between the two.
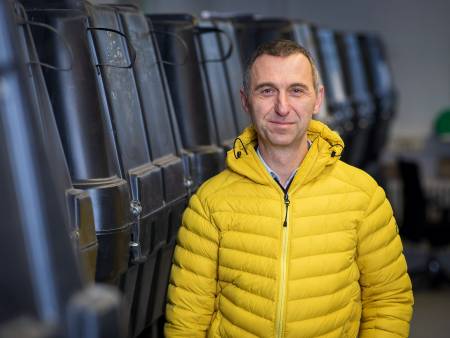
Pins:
x: 283, y: 160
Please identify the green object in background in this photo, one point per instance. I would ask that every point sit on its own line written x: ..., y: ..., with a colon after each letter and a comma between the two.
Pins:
x: 442, y: 125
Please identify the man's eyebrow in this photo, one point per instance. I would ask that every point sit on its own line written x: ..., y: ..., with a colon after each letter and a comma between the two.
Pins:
x: 271, y: 84
x: 299, y: 84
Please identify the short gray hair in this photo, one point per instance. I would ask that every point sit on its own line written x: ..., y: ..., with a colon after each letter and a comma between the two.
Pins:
x: 281, y: 47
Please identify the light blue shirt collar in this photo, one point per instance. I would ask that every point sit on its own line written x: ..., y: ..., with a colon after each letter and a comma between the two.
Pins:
x: 274, y: 175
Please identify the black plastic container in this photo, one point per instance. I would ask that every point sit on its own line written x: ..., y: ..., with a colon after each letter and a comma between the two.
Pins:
x: 188, y: 90
x: 383, y: 91
x: 76, y: 203
x: 149, y: 302
x: 42, y: 285
x: 338, y: 101
x: 87, y: 136
x: 213, y: 57
x: 356, y: 85
x: 233, y: 65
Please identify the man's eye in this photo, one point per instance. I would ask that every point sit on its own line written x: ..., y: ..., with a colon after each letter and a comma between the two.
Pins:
x: 297, y: 91
x: 267, y: 91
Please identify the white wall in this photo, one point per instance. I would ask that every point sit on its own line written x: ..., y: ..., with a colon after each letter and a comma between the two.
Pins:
x: 416, y: 34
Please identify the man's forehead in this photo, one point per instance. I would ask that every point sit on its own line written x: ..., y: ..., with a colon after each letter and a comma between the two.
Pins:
x: 267, y: 59
x: 294, y: 66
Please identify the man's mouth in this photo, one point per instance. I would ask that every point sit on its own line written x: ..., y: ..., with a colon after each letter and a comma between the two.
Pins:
x: 282, y: 123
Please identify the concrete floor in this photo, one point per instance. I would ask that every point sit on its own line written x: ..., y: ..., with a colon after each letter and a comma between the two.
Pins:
x: 431, y: 317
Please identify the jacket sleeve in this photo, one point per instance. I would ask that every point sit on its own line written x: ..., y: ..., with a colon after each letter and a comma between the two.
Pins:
x: 192, y: 287
x: 386, y: 294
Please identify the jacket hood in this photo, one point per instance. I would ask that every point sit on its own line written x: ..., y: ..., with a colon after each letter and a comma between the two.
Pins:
x: 325, y: 150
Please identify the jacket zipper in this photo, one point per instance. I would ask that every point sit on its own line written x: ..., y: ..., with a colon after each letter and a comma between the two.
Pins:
x: 282, y: 290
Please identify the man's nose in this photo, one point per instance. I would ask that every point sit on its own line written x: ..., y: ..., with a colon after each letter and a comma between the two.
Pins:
x: 282, y: 104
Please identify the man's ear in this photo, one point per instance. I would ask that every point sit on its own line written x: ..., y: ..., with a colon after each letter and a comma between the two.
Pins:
x: 319, y: 99
x: 244, y: 101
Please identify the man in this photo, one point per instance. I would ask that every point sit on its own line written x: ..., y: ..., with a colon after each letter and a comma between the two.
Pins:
x: 288, y: 241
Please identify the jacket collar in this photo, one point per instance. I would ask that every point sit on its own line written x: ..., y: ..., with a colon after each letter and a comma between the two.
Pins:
x: 325, y: 150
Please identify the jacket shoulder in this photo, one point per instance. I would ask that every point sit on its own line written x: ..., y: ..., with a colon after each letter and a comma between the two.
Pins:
x: 222, y: 181
x: 355, y: 177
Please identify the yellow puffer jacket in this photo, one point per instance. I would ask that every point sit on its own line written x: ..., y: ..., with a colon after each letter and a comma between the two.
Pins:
x: 335, y: 270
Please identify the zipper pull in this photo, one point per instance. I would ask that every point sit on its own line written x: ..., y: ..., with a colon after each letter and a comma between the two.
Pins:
x: 286, y: 200
x: 286, y: 203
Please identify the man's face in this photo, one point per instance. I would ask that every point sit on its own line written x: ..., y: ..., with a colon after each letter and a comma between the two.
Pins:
x: 281, y: 100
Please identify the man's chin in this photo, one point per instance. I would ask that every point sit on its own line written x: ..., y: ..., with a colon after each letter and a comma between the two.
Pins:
x: 281, y: 141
